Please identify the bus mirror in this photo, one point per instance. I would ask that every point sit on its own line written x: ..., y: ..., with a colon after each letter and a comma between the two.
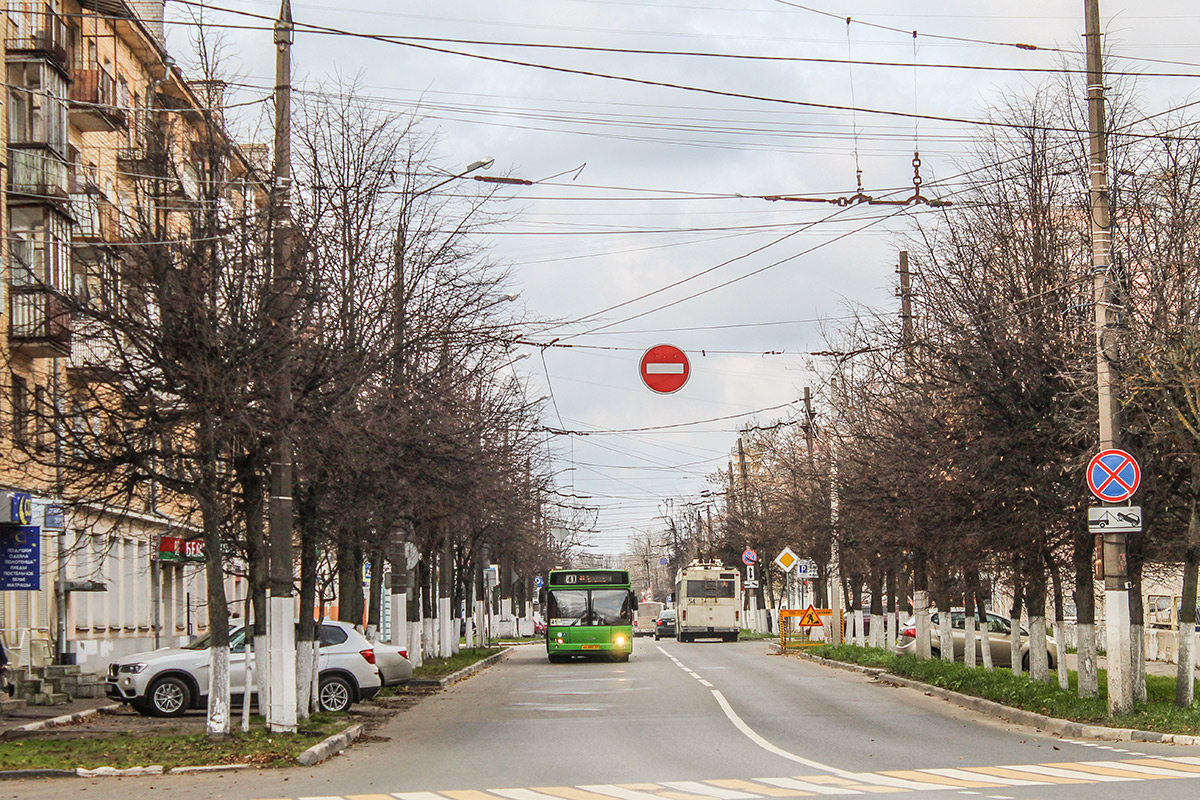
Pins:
x: 633, y: 597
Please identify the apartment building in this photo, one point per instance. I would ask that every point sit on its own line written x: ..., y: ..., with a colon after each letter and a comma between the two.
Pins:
x: 80, y: 581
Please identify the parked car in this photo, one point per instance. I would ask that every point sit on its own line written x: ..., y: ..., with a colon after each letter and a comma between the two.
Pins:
x: 664, y: 625
x: 998, y: 636
x: 393, y: 663
x: 171, y: 680
x: 539, y: 628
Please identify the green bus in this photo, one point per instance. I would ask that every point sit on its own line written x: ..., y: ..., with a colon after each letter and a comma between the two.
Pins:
x: 589, y: 612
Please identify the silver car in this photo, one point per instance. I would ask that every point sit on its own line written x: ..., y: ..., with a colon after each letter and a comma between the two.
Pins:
x: 998, y: 636
x: 171, y: 680
x: 393, y: 663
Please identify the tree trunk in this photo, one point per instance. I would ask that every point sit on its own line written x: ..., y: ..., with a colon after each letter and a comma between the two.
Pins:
x: 306, y: 630
x: 1137, y: 628
x: 1039, y: 664
x: 218, y: 621
x: 876, y: 626
x: 1014, y: 632
x: 921, y: 604
x: 1060, y: 653
x: 945, y: 631
x: 1087, y: 675
x: 985, y: 628
x: 375, y: 593
x: 1185, y: 672
x: 970, y: 623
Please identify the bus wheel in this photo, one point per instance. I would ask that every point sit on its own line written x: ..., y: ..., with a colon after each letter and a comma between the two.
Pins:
x: 623, y: 657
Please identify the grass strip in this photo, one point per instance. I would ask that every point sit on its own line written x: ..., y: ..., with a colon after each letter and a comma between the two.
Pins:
x: 435, y: 668
x: 258, y: 746
x: 1159, y: 713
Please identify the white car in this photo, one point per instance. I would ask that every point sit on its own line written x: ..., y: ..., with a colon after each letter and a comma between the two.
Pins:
x: 171, y: 680
x: 999, y: 637
x: 393, y: 663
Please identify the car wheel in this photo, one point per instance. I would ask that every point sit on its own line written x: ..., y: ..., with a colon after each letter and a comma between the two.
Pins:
x: 336, y: 693
x: 169, y: 697
x: 935, y: 654
x: 1025, y: 662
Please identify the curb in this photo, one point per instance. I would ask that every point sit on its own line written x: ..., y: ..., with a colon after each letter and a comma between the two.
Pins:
x: 463, y: 673
x: 54, y: 722
x: 1060, y: 727
x: 323, y: 750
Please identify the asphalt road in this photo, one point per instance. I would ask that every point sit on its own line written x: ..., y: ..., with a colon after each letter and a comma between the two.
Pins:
x: 700, y: 721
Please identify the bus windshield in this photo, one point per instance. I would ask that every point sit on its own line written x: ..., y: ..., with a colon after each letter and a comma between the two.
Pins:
x: 710, y: 588
x: 590, y: 607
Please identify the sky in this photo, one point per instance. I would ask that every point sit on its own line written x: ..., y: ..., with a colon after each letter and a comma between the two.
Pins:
x: 653, y: 130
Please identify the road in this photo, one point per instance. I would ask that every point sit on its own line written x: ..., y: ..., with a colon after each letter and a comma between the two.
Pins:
x: 700, y: 721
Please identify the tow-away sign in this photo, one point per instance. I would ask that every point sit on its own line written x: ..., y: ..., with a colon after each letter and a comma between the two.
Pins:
x: 664, y: 369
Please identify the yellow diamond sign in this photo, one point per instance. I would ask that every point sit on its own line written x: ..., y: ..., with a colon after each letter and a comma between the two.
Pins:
x: 787, y: 560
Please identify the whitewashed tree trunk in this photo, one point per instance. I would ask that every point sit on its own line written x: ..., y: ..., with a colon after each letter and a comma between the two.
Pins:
x: 1039, y: 665
x: 858, y: 628
x: 1060, y: 655
x: 985, y: 637
x: 416, y: 650
x: 247, y: 689
x: 1014, y: 645
x: 400, y: 621
x: 304, y: 665
x: 444, y: 620
x: 455, y: 640
x: 945, y: 636
x: 969, y: 641
x: 877, y: 630
x: 1137, y: 647
x: 1086, y: 669
x: 1185, y: 670
x: 428, y: 637
x: 921, y: 613
x: 314, y: 686
x: 261, y: 664
x: 218, y: 692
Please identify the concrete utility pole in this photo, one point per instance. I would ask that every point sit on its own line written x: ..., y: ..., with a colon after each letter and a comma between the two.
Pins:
x: 920, y: 587
x: 281, y: 633
x: 1116, y: 585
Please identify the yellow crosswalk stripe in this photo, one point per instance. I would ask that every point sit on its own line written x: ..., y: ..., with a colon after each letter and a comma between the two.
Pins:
x: 1095, y: 769
x: 926, y: 777
x: 769, y: 791
x: 468, y: 794
x: 1008, y: 772
x: 1167, y: 763
x: 571, y: 793
x: 369, y: 797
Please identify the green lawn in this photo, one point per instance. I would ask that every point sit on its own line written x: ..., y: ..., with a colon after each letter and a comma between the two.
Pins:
x: 435, y: 668
x: 1158, y: 713
x: 259, y: 747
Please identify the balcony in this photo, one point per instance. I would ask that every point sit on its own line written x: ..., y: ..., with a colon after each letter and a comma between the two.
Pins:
x: 93, y: 357
x: 39, y: 322
x: 95, y: 104
x: 37, y: 175
x: 43, y: 34
x: 96, y: 221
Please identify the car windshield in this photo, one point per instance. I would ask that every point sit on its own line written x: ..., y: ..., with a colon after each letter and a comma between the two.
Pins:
x: 204, y: 641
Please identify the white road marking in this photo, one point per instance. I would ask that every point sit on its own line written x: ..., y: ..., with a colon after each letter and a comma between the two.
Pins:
x: 804, y: 786
x: 1055, y: 772
x: 967, y: 775
x: 522, y: 794
x: 620, y: 792
x: 1128, y: 767
x: 695, y: 787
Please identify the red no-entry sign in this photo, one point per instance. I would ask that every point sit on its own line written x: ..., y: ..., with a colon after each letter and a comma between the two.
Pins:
x: 664, y: 369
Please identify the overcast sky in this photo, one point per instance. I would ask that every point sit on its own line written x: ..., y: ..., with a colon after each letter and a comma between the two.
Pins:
x: 671, y: 175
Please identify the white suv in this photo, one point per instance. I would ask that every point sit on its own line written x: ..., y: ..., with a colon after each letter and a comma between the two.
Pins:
x: 169, y: 681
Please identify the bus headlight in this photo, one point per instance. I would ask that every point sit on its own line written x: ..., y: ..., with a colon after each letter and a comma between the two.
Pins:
x: 620, y: 641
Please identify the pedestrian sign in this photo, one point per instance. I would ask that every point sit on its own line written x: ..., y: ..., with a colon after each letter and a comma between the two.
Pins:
x: 787, y: 560
x: 810, y: 618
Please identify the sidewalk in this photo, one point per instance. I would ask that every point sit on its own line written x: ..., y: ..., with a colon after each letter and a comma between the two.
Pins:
x: 26, y: 715
x: 1152, y: 667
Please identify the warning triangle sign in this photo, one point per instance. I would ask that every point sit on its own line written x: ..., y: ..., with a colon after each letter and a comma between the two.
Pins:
x: 809, y: 619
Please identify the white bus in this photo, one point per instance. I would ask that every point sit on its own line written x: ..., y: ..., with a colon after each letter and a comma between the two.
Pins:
x: 708, y: 602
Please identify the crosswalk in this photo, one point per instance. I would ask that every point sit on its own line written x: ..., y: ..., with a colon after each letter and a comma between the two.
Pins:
x: 972, y: 780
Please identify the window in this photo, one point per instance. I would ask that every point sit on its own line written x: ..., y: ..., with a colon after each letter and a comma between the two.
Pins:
x: 703, y: 588
x: 20, y: 406
x: 41, y: 420
x: 37, y: 109
x: 331, y: 635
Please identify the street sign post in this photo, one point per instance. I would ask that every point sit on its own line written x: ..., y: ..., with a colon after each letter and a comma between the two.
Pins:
x: 664, y: 369
x: 1123, y: 519
x: 1113, y: 476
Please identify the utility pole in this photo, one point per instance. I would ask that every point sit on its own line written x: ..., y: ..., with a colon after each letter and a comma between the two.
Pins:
x: 1116, y: 585
x: 920, y: 577
x: 281, y: 635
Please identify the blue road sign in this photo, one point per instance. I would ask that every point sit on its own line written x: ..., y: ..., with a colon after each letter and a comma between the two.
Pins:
x: 20, y: 558
x: 749, y: 558
x: 537, y: 582
x: 662, y: 562
x: 1113, y: 475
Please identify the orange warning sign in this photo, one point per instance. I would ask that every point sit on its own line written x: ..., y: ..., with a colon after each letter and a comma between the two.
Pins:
x: 809, y: 618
